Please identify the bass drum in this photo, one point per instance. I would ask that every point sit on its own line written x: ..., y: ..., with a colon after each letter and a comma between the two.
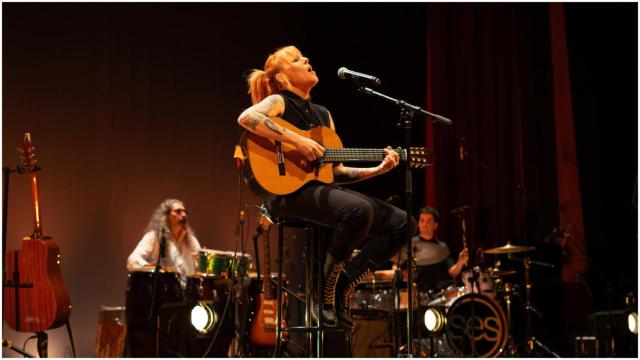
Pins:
x: 476, y: 327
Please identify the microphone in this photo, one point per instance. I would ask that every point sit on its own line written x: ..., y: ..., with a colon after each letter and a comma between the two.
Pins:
x: 344, y: 73
x: 460, y: 210
x: 554, y: 237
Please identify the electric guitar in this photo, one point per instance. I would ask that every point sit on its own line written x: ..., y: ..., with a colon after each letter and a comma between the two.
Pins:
x: 276, y: 168
x: 35, y: 298
x: 263, y: 328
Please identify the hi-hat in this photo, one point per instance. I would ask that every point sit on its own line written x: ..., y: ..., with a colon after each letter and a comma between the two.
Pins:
x: 509, y: 249
x: 429, y: 252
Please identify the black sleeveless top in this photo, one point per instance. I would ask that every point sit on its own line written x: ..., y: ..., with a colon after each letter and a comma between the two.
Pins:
x: 303, y: 113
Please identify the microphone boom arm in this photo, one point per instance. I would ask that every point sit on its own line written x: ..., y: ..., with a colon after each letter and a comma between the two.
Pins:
x: 405, y: 105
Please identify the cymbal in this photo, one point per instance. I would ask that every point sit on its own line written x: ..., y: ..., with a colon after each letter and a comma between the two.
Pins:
x: 509, y: 249
x: 429, y: 252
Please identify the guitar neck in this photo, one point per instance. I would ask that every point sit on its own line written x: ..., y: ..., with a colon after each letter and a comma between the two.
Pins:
x: 37, y: 222
x: 332, y: 155
x: 266, y: 284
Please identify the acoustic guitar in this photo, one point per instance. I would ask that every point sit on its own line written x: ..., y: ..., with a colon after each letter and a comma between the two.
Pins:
x: 271, y: 167
x: 35, y: 298
x: 263, y: 328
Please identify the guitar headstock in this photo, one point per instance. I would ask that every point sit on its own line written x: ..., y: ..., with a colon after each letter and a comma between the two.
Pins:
x: 27, y: 153
x: 420, y: 157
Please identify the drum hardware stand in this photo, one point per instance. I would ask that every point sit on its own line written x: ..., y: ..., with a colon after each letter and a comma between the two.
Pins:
x: 407, y: 112
x: 531, y: 341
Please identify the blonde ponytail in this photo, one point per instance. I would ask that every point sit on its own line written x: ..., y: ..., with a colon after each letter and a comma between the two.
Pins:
x: 258, y: 85
x: 262, y: 83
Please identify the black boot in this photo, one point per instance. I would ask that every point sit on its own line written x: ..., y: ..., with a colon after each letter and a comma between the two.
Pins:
x: 355, y: 271
x: 332, y: 270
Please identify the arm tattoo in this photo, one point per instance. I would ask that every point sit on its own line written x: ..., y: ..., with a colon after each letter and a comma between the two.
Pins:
x: 274, y: 127
x: 350, y: 175
x: 253, y: 121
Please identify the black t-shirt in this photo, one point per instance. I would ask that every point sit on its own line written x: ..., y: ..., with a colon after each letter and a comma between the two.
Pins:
x: 434, y: 276
x: 303, y: 113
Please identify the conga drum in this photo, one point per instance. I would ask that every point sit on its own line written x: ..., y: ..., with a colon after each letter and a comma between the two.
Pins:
x: 145, y: 335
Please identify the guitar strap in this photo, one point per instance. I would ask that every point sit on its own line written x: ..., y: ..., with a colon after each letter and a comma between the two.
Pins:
x: 280, y: 156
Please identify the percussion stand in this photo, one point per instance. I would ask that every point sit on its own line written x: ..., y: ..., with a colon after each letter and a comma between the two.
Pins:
x: 407, y: 112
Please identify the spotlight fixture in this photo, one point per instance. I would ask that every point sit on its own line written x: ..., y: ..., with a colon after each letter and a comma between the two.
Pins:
x: 203, y: 318
x: 632, y: 322
x: 434, y: 320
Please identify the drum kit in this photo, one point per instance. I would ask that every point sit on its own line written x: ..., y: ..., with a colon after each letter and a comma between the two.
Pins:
x: 471, y: 319
x: 195, y: 316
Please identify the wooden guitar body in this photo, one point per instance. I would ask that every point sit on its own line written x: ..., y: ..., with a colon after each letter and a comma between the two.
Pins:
x: 263, y: 328
x: 262, y: 166
x: 45, y: 303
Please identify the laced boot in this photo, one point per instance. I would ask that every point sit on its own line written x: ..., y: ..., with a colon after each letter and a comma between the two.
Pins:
x: 332, y: 270
x: 355, y: 271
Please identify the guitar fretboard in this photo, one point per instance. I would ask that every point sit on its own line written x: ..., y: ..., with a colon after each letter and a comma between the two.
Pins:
x: 356, y: 154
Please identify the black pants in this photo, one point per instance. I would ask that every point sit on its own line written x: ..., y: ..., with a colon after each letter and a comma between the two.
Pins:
x: 359, y: 221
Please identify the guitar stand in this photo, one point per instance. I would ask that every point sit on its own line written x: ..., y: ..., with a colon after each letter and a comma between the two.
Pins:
x: 9, y: 344
x: 43, y: 342
x: 15, y: 282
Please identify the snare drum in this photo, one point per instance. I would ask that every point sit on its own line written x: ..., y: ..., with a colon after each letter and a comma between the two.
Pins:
x: 484, y: 283
x: 447, y: 296
x: 373, y: 295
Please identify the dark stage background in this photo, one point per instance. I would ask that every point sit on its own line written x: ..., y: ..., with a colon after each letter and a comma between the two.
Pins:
x: 129, y: 104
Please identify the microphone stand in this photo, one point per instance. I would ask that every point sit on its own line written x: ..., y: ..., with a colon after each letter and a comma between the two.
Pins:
x: 153, y: 311
x: 473, y: 281
x: 255, y: 249
x: 407, y: 111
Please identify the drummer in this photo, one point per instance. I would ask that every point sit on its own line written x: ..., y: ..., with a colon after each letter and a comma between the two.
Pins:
x: 435, y: 268
x: 168, y: 220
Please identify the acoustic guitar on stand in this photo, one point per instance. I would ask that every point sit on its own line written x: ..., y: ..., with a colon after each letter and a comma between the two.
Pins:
x: 35, y: 298
x: 276, y: 168
x: 263, y: 328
